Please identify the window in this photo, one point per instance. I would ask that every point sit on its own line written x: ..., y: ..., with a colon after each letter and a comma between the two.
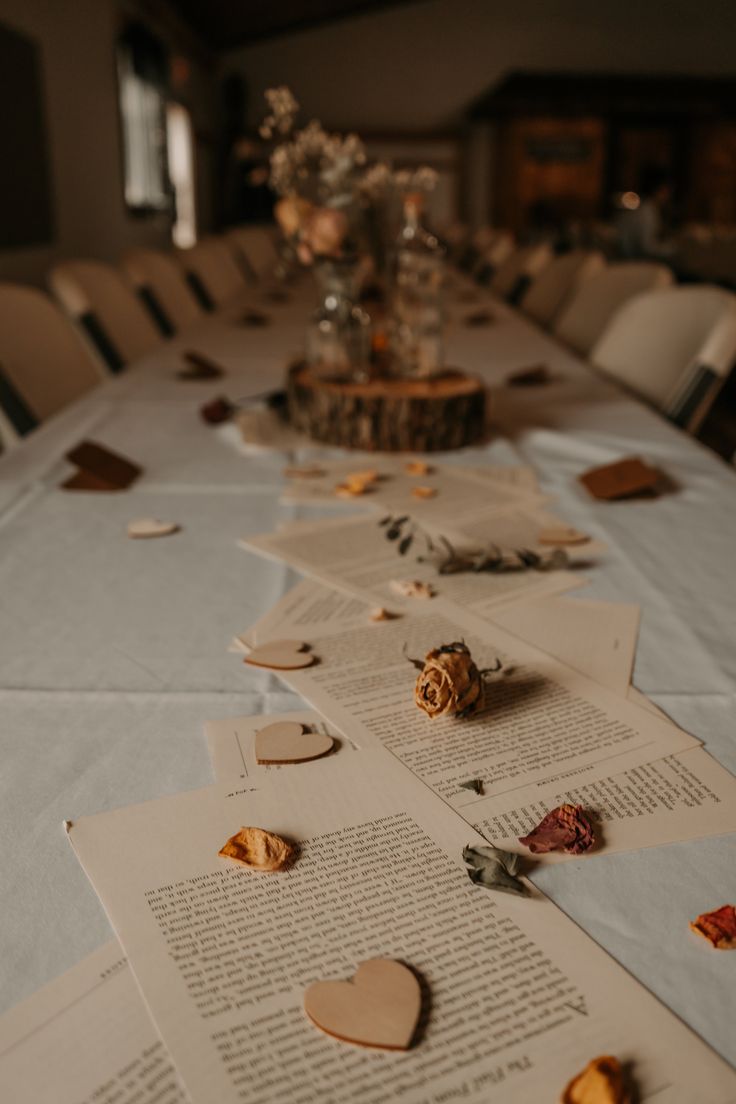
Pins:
x: 143, y: 78
x: 180, y: 141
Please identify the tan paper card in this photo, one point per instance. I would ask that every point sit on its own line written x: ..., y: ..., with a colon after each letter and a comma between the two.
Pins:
x: 621, y: 480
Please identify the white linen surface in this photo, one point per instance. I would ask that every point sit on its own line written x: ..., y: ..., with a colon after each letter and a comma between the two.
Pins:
x: 114, y: 652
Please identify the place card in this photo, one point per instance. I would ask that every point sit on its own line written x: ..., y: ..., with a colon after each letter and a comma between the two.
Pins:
x: 622, y: 479
x: 100, y: 469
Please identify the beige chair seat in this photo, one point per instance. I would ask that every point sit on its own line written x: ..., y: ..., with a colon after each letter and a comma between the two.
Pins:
x: 41, y: 354
x: 595, y: 301
x: 157, y: 274
x: 556, y: 282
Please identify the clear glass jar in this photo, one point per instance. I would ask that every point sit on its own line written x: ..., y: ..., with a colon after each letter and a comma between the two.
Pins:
x: 339, y: 334
x: 417, y: 321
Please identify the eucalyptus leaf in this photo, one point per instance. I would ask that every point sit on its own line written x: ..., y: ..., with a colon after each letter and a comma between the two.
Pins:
x: 492, y: 868
x: 475, y: 784
x: 406, y: 544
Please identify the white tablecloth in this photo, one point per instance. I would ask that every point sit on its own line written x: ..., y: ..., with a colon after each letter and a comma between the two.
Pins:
x: 114, y: 652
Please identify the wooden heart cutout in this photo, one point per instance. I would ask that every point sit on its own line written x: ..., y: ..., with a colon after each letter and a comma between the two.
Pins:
x: 290, y: 742
x: 562, y: 534
x: 281, y: 655
x: 150, y: 527
x: 378, y: 1007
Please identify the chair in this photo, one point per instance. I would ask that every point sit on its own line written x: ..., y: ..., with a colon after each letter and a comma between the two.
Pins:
x: 99, y: 299
x: 162, y: 286
x: 673, y: 347
x: 586, y: 315
x: 44, y: 363
x: 494, y: 256
x: 254, y: 248
x: 213, y: 275
x: 514, y: 275
x: 547, y: 294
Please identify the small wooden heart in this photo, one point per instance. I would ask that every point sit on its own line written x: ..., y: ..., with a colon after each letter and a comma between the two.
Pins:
x: 562, y: 534
x: 290, y: 742
x: 281, y: 655
x: 378, y: 1007
x: 150, y: 527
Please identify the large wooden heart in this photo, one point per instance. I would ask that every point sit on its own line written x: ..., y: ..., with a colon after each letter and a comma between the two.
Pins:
x: 289, y: 742
x: 378, y: 1007
x: 281, y: 655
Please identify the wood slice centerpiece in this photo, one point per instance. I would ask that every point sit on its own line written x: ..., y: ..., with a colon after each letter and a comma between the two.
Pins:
x: 388, y: 413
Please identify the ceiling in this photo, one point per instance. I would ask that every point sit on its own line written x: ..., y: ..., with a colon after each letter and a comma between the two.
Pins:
x: 224, y: 24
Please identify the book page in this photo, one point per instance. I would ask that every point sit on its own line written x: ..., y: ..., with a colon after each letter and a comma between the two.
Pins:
x: 86, y: 1038
x: 353, y: 555
x: 516, y: 998
x: 458, y: 491
x: 597, y: 638
x: 686, y: 796
x: 231, y: 742
x: 539, y: 717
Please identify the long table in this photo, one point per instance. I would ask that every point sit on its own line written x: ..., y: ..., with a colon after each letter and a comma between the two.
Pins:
x: 114, y: 652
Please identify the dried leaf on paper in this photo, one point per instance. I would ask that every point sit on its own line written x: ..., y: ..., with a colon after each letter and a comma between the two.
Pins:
x: 424, y: 492
x: 601, y: 1082
x: 718, y: 927
x: 565, y: 828
x: 474, y: 784
x: 259, y: 850
x: 382, y: 614
x: 418, y: 467
x: 492, y: 868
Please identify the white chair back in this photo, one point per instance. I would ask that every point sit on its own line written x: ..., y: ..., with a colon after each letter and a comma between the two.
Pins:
x: 586, y: 315
x: 256, y: 249
x: 514, y: 274
x: 672, y: 347
x: 43, y: 358
x: 107, y: 308
x: 557, y: 281
x: 156, y: 274
x: 215, y: 272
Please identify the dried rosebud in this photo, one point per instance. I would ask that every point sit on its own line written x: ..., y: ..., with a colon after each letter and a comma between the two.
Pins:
x: 565, y: 828
x: 601, y: 1082
x: 217, y: 411
x: 449, y: 682
x: 259, y: 850
x: 292, y: 213
x: 718, y: 927
x: 325, y: 231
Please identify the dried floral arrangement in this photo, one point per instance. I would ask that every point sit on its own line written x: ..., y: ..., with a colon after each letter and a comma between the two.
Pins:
x: 329, y: 192
x: 403, y: 530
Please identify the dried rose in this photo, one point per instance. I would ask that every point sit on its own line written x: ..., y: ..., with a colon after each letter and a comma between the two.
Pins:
x: 325, y: 231
x: 259, y: 850
x: 601, y: 1082
x: 449, y: 681
x: 565, y: 828
x: 718, y: 927
x: 292, y: 213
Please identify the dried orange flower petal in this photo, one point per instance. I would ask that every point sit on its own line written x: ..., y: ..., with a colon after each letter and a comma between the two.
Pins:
x: 352, y: 489
x: 412, y: 588
x: 306, y: 471
x: 382, y: 614
x: 259, y: 850
x: 418, y: 467
x: 424, y: 492
x: 565, y: 828
x: 601, y: 1082
x: 718, y: 927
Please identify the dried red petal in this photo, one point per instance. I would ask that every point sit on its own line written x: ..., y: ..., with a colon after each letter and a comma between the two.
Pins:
x: 718, y: 927
x: 565, y: 828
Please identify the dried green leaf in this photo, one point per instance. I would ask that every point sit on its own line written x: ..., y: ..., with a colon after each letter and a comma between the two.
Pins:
x: 492, y: 868
x: 406, y: 544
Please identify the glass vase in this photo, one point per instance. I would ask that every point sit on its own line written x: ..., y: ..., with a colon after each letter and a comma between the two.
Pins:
x: 417, y: 316
x: 339, y: 334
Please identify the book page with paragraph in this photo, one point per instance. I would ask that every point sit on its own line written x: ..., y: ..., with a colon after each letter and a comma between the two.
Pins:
x: 86, y: 1038
x: 516, y: 998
